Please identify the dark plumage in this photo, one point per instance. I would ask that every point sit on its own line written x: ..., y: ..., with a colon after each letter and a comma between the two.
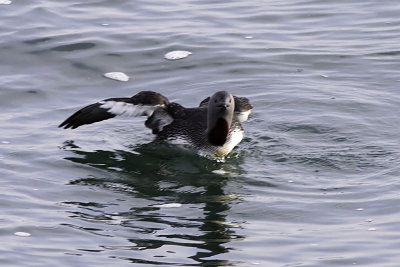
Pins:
x: 213, y: 128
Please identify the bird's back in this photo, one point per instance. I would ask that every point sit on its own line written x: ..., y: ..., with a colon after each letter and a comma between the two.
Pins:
x: 189, y: 125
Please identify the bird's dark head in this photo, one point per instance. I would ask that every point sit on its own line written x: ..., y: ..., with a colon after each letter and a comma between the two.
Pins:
x: 222, y: 102
x: 219, y: 118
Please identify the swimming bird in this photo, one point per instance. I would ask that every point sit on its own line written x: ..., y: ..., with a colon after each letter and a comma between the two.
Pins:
x: 213, y: 129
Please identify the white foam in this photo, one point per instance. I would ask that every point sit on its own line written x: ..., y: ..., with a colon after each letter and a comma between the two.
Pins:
x: 22, y: 234
x: 118, y: 76
x: 219, y: 172
x: 116, y: 219
x: 5, y: 2
x: 178, y: 54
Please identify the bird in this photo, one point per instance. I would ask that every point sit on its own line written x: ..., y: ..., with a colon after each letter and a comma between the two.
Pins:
x: 213, y: 128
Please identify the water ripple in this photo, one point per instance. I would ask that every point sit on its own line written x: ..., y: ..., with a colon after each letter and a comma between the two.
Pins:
x: 314, y: 182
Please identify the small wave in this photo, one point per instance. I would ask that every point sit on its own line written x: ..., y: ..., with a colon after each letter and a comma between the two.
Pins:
x: 74, y: 47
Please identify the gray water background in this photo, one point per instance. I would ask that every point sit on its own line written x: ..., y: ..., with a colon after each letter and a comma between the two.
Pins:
x: 315, y: 182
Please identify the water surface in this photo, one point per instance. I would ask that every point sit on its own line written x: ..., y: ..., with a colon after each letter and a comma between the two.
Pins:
x: 314, y: 182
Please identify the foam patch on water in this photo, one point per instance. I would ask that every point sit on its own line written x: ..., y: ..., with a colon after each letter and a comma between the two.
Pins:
x: 219, y: 172
x: 5, y: 2
x: 178, y: 54
x: 118, y: 76
x: 116, y: 219
x: 169, y: 205
x: 22, y: 234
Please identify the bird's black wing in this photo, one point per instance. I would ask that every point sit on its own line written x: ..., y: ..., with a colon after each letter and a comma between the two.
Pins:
x: 142, y: 104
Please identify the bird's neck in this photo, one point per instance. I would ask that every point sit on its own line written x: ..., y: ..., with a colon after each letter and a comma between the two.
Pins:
x: 218, y: 133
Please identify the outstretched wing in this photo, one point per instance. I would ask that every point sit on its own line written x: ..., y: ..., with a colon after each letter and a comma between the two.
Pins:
x: 142, y: 104
x: 242, y: 107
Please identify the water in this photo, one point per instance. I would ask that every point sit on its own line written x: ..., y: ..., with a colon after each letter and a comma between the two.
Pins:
x: 314, y: 182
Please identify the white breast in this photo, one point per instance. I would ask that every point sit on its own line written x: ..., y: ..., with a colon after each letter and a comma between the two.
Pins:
x: 235, y: 137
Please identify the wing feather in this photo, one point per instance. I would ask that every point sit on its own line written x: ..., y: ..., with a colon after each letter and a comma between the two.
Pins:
x: 142, y: 104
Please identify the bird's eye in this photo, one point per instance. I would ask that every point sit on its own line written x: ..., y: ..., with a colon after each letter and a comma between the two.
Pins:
x: 230, y: 100
x: 215, y: 100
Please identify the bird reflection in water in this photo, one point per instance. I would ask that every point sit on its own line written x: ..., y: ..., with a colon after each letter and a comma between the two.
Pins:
x: 161, y: 173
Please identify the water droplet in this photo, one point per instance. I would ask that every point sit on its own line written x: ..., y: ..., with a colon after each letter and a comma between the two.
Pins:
x: 249, y: 37
x: 118, y: 76
x: 4, y: 142
x: 360, y: 209
x: 372, y: 229
x: 178, y: 54
x: 324, y: 76
x: 22, y: 234
x: 369, y: 220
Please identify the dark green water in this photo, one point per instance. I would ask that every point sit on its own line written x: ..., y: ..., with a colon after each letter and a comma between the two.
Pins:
x: 315, y: 182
